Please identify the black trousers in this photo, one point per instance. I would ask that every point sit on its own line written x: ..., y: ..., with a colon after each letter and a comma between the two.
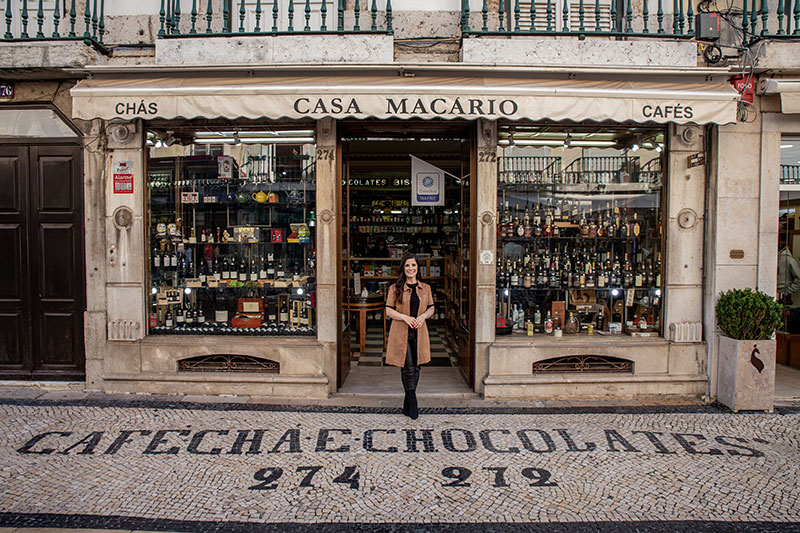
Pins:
x: 409, y: 374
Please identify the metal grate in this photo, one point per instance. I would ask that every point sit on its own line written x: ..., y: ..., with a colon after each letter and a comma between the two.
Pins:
x: 583, y: 364
x: 229, y: 363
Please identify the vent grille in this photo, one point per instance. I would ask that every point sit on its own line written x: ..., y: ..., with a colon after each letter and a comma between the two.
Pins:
x: 229, y: 363
x: 583, y: 364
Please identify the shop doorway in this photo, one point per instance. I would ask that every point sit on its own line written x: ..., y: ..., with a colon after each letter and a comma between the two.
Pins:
x: 382, y: 222
x: 42, y: 296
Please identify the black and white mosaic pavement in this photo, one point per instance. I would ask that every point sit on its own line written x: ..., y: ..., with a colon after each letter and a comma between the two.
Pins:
x: 192, y: 467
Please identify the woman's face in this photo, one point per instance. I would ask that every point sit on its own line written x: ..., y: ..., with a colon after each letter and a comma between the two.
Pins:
x: 410, y: 268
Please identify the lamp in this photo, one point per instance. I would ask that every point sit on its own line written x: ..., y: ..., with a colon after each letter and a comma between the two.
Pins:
x: 634, y: 147
x: 567, y: 141
x: 511, y: 139
x: 236, y: 140
x: 171, y: 139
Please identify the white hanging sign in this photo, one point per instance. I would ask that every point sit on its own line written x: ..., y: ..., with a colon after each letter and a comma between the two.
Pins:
x: 427, y: 183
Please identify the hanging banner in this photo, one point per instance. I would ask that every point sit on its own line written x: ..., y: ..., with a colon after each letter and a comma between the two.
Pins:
x: 427, y: 183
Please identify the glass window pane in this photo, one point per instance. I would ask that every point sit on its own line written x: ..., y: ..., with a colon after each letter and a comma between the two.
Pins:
x: 579, y: 231
x: 231, y: 225
x: 33, y: 123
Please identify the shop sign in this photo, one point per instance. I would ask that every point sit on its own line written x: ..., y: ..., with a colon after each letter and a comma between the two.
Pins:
x: 190, y: 197
x: 378, y: 182
x: 225, y: 167
x: 123, y: 177
x: 7, y: 90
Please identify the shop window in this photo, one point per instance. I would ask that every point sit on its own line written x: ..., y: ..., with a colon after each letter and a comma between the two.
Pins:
x: 231, y: 235
x: 579, y: 231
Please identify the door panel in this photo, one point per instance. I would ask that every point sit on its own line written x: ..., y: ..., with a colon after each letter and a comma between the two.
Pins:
x: 42, y: 297
x: 56, y: 184
x: 12, y: 339
x: 10, y: 268
x: 57, y: 338
x: 15, y: 311
x: 57, y: 262
x: 56, y: 243
x: 10, y: 186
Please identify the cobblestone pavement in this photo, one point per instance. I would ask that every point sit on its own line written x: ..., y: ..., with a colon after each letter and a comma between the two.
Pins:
x: 180, y: 466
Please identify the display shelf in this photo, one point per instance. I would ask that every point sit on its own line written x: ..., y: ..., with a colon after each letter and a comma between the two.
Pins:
x: 177, y: 223
x: 581, y: 187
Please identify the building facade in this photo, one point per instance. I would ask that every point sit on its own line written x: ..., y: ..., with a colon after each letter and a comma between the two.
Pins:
x: 233, y: 186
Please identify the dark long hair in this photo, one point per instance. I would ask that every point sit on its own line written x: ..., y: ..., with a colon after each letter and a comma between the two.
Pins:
x: 401, y: 279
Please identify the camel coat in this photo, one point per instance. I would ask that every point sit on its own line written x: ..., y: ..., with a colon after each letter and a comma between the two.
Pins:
x: 398, y: 332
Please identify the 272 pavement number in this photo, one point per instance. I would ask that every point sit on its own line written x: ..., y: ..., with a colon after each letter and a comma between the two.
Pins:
x: 538, y: 477
x: 269, y: 477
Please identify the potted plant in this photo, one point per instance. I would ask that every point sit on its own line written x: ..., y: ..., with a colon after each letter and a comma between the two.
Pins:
x: 748, y: 319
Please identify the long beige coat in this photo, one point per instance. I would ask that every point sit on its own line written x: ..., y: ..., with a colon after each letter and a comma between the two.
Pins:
x: 398, y: 332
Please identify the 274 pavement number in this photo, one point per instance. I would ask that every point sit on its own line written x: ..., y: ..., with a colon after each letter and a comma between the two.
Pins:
x: 458, y: 476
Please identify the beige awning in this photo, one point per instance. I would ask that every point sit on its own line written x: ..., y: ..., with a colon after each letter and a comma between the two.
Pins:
x: 788, y: 89
x: 425, y: 97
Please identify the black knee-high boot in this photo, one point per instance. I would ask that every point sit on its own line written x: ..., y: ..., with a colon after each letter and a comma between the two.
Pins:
x: 409, y: 375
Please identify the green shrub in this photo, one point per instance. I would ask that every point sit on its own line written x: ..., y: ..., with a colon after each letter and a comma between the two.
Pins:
x: 745, y: 314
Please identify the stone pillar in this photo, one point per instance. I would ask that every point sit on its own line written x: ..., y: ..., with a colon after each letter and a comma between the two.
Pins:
x: 682, y: 266
x: 328, y: 245
x: 94, y: 210
x: 122, y: 252
x: 484, y: 243
x: 733, y: 217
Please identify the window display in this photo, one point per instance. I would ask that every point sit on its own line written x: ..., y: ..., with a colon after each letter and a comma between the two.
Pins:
x: 579, y: 231
x: 232, y: 244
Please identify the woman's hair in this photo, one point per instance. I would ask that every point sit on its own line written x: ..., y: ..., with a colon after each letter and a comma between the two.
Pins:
x: 401, y: 279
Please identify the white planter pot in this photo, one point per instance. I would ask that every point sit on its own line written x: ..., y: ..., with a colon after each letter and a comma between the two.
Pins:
x: 740, y: 385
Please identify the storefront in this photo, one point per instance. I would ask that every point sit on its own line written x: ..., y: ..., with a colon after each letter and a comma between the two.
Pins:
x: 242, y: 214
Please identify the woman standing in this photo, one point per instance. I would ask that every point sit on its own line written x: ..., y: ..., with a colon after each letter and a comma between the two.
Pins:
x: 409, y: 304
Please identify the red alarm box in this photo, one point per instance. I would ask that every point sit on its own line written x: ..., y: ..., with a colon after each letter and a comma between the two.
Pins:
x: 249, y: 313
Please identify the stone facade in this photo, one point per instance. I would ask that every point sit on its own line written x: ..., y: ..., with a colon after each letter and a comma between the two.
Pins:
x: 720, y: 225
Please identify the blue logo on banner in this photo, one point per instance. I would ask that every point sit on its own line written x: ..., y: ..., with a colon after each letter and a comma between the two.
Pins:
x: 428, y: 187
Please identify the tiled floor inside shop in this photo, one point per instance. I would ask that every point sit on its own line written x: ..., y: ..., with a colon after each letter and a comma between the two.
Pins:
x: 375, y: 354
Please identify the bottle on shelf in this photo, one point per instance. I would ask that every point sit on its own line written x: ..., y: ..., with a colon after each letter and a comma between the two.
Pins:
x: 548, y: 324
x: 168, y: 318
x: 180, y: 318
x: 283, y: 315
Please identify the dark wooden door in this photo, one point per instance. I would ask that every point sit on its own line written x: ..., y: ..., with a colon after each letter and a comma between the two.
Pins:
x: 42, y: 293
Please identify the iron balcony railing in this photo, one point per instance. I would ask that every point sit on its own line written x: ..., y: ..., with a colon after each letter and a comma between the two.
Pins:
x: 182, y: 18
x: 756, y: 19
x: 646, y: 18
x: 603, y: 169
x: 54, y: 20
x: 770, y: 19
x: 790, y: 174
x: 528, y: 169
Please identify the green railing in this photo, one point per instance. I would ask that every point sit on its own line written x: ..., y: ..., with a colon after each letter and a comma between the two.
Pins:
x: 790, y: 174
x: 645, y: 18
x: 271, y: 17
x: 777, y: 19
x: 24, y: 24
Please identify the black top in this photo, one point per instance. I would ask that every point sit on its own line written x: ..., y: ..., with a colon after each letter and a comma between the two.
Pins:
x: 414, y: 303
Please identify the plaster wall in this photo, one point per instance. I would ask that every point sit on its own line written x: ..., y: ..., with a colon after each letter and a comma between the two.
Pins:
x: 283, y: 49
x: 572, y: 52
x: 55, y: 92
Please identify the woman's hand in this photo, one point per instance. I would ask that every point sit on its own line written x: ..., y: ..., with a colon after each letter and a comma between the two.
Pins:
x: 420, y: 320
x: 410, y: 321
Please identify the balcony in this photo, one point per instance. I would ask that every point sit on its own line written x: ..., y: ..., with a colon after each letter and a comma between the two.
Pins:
x: 52, y: 34
x: 281, y: 31
x: 622, y: 32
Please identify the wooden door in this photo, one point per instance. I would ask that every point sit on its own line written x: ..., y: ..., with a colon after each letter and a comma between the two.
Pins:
x: 42, y: 298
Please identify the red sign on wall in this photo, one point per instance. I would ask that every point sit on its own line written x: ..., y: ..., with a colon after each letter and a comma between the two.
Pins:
x: 744, y: 86
x: 123, y: 177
